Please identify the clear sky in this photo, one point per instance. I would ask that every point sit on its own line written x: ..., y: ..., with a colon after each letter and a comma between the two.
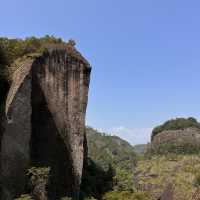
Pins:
x: 145, y: 56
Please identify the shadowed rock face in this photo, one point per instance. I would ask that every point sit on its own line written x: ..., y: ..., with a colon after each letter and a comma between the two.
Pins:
x: 45, y: 124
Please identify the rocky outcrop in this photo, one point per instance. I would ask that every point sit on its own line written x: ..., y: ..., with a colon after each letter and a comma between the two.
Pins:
x: 189, y: 134
x: 45, y: 122
x: 178, y: 141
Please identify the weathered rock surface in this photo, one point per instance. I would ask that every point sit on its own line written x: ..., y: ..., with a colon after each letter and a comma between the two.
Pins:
x: 189, y: 134
x: 45, y: 122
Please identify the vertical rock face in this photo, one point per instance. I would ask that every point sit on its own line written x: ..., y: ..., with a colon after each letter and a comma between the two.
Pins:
x: 45, y: 126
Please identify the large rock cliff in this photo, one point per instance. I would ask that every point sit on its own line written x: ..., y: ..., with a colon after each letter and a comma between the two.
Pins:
x: 45, y: 122
x: 180, y: 141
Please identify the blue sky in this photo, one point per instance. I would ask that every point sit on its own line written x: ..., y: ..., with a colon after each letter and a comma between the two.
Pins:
x: 145, y: 56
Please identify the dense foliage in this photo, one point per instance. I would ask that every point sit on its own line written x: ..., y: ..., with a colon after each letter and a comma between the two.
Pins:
x: 125, y: 195
x: 184, y: 147
x: 16, y: 48
x: 105, y: 150
x: 110, y: 174
x: 176, y: 124
x: 153, y: 175
x: 96, y: 181
x: 24, y: 197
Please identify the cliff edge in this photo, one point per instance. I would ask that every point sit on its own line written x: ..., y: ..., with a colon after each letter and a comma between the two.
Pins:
x: 45, y: 122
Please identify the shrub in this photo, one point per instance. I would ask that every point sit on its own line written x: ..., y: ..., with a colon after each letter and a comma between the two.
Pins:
x: 173, y: 148
x: 125, y: 195
x: 12, y: 49
x: 123, y: 181
x: 25, y: 197
x: 197, y: 180
x: 38, y: 173
x: 66, y: 198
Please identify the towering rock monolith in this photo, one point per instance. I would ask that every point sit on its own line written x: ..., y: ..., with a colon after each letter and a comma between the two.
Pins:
x: 45, y: 122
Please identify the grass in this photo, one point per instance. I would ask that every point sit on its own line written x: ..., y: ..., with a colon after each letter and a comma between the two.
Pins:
x: 180, y: 170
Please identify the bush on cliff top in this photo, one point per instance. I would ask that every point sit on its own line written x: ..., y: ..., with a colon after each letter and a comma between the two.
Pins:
x: 12, y: 49
x: 16, y: 48
x: 176, y: 124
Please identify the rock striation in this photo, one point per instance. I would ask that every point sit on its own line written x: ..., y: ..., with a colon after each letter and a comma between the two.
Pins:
x: 185, y: 140
x: 187, y: 135
x: 179, y: 136
x: 45, y: 122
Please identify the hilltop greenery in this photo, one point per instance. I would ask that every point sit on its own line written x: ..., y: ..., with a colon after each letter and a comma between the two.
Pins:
x: 13, y: 49
x: 176, y: 124
x: 183, y: 171
x: 16, y: 48
x: 104, y: 149
x: 110, y: 173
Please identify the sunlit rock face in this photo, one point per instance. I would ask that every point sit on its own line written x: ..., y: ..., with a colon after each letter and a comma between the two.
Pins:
x: 45, y: 122
x: 185, y: 140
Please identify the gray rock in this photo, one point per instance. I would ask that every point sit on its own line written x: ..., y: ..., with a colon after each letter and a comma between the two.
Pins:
x: 45, y: 122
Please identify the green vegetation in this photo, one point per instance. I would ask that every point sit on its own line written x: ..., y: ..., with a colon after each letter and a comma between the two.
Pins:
x: 153, y: 175
x: 13, y: 49
x: 125, y: 195
x: 176, y: 124
x: 111, y: 165
x: 25, y: 197
x: 123, y: 181
x: 197, y: 180
x: 114, y: 170
x: 183, y: 147
x: 104, y: 150
x: 17, y: 48
x: 96, y: 181
x: 38, y: 173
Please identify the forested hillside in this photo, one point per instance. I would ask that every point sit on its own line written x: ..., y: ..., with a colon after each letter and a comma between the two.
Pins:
x: 105, y: 149
x: 117, y: 160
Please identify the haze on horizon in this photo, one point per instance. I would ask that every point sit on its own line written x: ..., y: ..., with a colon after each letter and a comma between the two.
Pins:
x: 145, y: 56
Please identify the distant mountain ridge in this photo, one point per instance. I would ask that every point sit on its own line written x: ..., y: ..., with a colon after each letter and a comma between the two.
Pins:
x: 105, y: 149
x: 140, y: 149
